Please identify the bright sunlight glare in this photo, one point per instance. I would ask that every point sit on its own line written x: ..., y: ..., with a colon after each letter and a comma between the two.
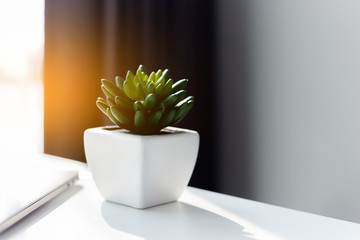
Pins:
x: 251, y: 230
x: 21, y: 56
x: 21, y: 38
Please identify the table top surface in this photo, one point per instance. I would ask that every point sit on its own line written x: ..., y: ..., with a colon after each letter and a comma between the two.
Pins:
x: 81, y: 213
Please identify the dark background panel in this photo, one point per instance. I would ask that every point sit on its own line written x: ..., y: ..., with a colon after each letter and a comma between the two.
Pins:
x: 89, y: 40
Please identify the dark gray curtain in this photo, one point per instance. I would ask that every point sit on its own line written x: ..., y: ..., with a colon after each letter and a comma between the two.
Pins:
x: 89, y: 40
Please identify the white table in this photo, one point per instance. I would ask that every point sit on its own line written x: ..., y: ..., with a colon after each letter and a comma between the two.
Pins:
x: 81, y: 213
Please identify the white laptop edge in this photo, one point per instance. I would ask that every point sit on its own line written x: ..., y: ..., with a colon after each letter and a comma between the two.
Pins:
x: 38, y: 202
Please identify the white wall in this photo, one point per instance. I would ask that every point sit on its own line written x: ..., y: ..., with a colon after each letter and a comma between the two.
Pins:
x: 303, y: 63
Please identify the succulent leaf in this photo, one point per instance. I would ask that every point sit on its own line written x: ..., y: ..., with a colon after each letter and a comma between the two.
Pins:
x: 136, y: 80
x: 140, y: 91
x: 102, y: 106
x: 155, y: 117
x: 162, y: 107
x: 166, y: 74
x: 119, y: 115
x: 100, y: 99
x: 129, y: 76
x: 168, y: 118
x: 189, y: 98
x: 143, y: 82
x: 138, y: 106
x: 106, y: 92
x: 139, y: 72
x: 152, y: 77
x: 139, y: 119
x: 179, y: 85
x: 158, y: 74
x: 158, y: 89
x: 150, y: 101
x: 150, y: 89
x: 170, y: 100
x: 110, y: 101
x: 112, y: 118
x: 161, y: 81
x: 112, y: 88
x: 129, y: 91
x: 180, y: 95
x: 183, y: 109
x: 167, y: 89
x: 119, y: 82
x: 123, y: 103
x: 142, y: 68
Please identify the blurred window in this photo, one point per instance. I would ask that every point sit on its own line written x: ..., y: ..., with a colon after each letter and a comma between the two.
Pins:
x: 21, y: 88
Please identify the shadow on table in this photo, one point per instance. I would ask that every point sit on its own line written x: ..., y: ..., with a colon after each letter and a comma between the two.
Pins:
x: 175, y: 220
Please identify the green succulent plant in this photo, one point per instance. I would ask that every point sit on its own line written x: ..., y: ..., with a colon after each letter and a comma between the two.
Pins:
x: 145, y: 104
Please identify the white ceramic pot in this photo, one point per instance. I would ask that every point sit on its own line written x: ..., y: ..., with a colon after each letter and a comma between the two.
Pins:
x: 141, y: 170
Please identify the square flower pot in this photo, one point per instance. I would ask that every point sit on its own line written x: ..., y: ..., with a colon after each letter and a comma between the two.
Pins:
x: 141, y: 170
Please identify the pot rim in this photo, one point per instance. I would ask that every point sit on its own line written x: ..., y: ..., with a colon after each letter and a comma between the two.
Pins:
x: 113, y: 129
